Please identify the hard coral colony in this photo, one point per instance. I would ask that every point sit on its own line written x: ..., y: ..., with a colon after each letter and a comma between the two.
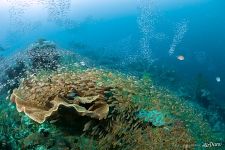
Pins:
x: 41, y: 98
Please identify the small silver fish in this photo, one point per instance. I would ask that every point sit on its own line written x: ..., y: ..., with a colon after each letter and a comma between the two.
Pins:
x: 54, y: 121
x: 218, y: 79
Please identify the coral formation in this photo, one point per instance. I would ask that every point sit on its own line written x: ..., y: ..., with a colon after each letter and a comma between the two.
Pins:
x: 11, y: 74
x: 40, y: 98
x: 154, y: 116
x: 43, y: 55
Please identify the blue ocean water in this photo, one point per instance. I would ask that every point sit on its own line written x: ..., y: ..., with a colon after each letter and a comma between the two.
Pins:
x: 179, y: 43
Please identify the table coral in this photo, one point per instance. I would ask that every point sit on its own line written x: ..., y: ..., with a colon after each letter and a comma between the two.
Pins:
x: 40, y: 97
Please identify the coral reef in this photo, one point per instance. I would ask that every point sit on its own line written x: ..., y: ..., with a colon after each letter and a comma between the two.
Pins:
x: 79, y: 108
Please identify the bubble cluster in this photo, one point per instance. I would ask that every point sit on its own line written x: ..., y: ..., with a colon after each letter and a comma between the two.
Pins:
x: 58, y: 12
x: 181, y: 29
x: 146, y: 21
x: 17, y: 17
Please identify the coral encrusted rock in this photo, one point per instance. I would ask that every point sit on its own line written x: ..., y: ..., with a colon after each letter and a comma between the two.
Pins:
x: 40, y: 97
x: 44, y: 55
